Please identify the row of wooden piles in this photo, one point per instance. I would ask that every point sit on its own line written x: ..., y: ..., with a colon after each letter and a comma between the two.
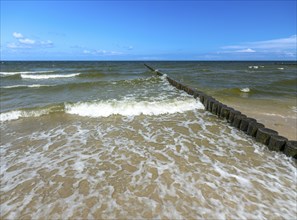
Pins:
x: 235, y: 118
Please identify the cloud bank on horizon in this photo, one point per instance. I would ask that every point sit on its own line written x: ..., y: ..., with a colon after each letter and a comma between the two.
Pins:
x: 282, y: 46
x: 75, y: 30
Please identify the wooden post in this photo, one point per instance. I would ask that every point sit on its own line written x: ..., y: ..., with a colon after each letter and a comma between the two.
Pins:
x: 248, y: 125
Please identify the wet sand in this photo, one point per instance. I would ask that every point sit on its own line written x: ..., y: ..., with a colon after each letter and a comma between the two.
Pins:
x: 276, y: 116
x: 174, y: 166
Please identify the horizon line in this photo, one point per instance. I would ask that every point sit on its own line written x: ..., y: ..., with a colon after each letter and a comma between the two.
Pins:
x: 165, y: 60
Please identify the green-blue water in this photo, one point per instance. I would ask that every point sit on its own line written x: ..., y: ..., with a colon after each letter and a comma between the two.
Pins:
x: 40, y: 84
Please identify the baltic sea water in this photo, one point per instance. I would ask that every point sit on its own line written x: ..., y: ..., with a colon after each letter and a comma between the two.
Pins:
x: 110, y: 139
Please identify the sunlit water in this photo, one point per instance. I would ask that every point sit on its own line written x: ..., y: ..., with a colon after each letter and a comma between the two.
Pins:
x: 138, y: 148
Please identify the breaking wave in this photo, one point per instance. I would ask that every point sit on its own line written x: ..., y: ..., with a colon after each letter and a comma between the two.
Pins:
x: 50, y: 76
x: 245, y: 90
x: 132, y: 108
x: 24, y: 72
x: 107, y: 108
x: 16, y: 114
x: 25, y: 86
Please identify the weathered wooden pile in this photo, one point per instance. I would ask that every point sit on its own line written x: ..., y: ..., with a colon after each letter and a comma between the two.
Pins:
x: 238, y: 120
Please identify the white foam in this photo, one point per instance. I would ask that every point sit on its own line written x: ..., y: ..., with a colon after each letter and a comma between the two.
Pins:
x: 9, y: 73
x: 23, y: 72
x: 254, y: 67
x: 53, y: 76
x: 8, y: 116
x: 16, y: 114
x: 294, y: 109
x: 281, y: 68
x: 245, y: 90
x: 132, y: 107
x: 281, y: 116
x: 79, y: 166
x: 24, y: 86
x: 215, y: 187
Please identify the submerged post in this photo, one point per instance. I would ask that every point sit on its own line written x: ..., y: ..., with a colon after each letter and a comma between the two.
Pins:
x: 175, y: 83
x: 154, y: 70
x: 248, y: 125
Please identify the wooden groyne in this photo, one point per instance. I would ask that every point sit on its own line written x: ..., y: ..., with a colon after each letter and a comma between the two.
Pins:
x: 235, y: 118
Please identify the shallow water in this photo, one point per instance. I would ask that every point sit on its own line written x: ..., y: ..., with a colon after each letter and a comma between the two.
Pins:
x: 188, y: 165
x: 139, y: 150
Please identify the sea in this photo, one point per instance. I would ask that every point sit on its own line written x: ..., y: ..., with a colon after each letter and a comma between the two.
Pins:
x: 111, y: 140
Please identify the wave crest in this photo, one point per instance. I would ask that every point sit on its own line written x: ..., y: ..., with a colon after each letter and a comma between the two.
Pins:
x: 23, y: 72
x: 51, y: 76
x: 107, y: 108
x: 16, y: 114
x: 132, y: 107
x: 24, y: 86
x: 245, y: 89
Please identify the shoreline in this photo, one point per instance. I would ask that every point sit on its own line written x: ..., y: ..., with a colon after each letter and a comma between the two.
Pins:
x: 275, y: 117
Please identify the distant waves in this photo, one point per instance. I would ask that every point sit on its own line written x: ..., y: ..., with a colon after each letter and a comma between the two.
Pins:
x: 36, y: 75
x: 49, y: 76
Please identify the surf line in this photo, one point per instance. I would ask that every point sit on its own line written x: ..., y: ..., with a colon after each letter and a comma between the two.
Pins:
x: 235, y: 118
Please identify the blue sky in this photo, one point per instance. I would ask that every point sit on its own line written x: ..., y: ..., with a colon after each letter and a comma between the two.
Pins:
x: 148, y: 30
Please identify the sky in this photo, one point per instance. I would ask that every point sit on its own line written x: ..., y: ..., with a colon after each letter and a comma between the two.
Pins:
x: 148, y: 30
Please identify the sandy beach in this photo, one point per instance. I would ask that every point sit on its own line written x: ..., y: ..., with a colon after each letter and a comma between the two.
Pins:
x: 276, y: 117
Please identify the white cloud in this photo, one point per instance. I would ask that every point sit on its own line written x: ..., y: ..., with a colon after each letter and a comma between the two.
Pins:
x: 125, y: 47
x: 290, y: 54
x: 281, y: 48
x: 26, y: 41
x: 23, y: 42
x: 105, y: 52
x: 102, y: 52
x: 17, y: 46
x: 248, y: 50
x: 47, y: 43
x: 17, y: 35
x: 12, y: 45
x: 281, y: 44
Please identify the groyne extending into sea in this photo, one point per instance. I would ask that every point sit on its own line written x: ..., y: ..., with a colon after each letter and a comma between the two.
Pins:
x: 103, y: 140
x: 248, y: 125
